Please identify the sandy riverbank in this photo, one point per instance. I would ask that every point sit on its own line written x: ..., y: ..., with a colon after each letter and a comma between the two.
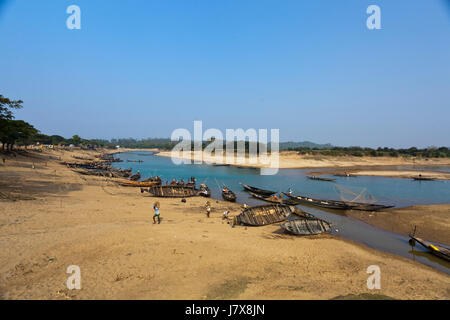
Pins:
x: 373, y: 166
x: 107, y: 231
x: 433, y: 221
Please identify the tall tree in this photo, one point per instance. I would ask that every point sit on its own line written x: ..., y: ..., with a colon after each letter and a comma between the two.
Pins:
x: 6, y: 106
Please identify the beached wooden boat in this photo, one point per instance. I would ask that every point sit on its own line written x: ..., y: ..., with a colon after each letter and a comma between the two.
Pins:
x: 336, y: 204
x: 423, y: 179
x: 229, y: 195
x: 141, y: 184
x: 263, y: 215
x: 204, y: 191
x: 347, y: 175
x: 306, y: 226
x: 259, y: 191
x: 135, y: 177
x: 170, y: 191
x: 438, y: 251
x: 302, y: 214
x: 320, y: 178
x: 272, y: 199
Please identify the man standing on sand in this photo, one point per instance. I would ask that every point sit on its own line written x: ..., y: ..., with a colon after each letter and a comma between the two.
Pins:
x: 156, y: 215
x: 208, y: 209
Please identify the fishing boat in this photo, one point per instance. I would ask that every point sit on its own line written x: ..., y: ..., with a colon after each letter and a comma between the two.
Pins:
x: 437, y: 250
x: 228, y: 195
x: 347, y: 175
x: 263, y: 215
x: 302, y: 214
x: 273, y: 199
x: 336, y: 204
x: 204, y: 191
x: 141, y: 184
x: 259, y: 191
x: 420, y: 178
x: 320, y: 178
x: 306, y: 226
x: 135, y: 177
x: 170, y: 191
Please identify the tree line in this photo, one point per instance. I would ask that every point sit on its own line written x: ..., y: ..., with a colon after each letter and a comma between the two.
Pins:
x: 18, y: 132
x: 430, y: 152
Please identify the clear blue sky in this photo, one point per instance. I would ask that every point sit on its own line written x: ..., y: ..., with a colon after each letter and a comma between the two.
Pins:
x: 310, y: 68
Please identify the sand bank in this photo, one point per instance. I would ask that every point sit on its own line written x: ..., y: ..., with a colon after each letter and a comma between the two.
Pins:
x: 107, y: 231
x: 432, y: 221
x: 375, y: 166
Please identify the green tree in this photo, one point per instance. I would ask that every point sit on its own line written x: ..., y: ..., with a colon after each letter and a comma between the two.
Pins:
x: 6, y: 106
x: 76, y: 140
x: 16, y: 131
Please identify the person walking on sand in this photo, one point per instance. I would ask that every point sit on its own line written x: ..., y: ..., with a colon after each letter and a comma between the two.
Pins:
x: 208, y: 209
x: 156, y: 215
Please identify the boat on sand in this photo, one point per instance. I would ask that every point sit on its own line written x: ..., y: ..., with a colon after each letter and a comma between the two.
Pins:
x: 263, y: 215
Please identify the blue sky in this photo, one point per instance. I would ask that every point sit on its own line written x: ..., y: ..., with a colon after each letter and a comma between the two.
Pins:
x: 310, y: 68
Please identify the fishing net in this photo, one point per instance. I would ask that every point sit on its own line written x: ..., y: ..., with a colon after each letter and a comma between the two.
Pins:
x: 354, y: 195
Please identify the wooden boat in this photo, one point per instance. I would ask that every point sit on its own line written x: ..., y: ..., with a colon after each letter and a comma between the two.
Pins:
x: 438, y: 251
x: 347, y: 175
x: 306, y: 226
x: 262, y: 215
x: 423, y: 178
x: 259, y: 191
x: 141, y: 184
x: 272, y: 199
x: 135, y: 177
x: 336, y: 204
x: 302, y: 214
x: 170, y: 191
x: 320, y: 178
x: 229, y: 195
x: 204, y: 191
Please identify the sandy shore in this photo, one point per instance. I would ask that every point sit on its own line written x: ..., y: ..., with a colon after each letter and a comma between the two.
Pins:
x: 433, y: 221
x: 371, y: 166
x: 52, y: 218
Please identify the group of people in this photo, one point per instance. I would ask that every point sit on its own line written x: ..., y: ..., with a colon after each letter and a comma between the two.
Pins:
x: 156, y: 216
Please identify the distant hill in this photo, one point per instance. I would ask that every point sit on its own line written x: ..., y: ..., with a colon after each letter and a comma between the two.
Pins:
x: 304, y: 144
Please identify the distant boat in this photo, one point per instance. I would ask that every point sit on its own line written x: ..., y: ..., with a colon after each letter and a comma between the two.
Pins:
x: 259, y: 191
x: 320, y: 178
x: 423, y: 178
x: 204, y: 191
x: 220, y: 164
x: 135, y: 177
x: 228, y: 195
x: 347, y: 175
